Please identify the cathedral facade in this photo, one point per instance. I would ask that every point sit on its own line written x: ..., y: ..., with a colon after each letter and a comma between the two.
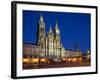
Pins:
x: 50, y: 43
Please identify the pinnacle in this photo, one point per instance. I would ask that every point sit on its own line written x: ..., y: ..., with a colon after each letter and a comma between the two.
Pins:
x: 50, y: 30
x: 56, y: 25
x: 41, y: 17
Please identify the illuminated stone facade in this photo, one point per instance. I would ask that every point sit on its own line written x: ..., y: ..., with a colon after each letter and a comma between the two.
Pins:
x: 50, y: 43
x: 31, y: 51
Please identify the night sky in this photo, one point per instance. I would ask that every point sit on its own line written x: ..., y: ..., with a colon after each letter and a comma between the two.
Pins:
x: 74, y: 27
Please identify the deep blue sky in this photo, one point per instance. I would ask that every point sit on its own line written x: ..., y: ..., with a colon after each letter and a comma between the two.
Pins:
x: 74, y: 27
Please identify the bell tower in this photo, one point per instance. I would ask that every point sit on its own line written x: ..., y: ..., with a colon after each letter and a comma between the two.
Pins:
x: 57, y: 35
x: 50, y: 43
x: 58, y: 43
x: 41, y: 35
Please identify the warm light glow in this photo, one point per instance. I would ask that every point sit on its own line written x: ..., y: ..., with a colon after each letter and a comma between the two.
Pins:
x: 35, y: 60
x: 43, y: 60
x: 25, y: 60
x: 80, y: 59
x: 64, y: 59
x: 74, y: 59
x: 69, y: 59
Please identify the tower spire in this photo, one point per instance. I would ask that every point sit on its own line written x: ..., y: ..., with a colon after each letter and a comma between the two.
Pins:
x: 56, y: 25
x: 41, y: 18
x: 50, y: 30
x: 41, y: 30
x: 56, y: 28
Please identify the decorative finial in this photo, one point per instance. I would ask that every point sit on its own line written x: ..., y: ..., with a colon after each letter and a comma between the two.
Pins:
x: 56, y: 28
x: 41, y: 17
x: 50, y: 30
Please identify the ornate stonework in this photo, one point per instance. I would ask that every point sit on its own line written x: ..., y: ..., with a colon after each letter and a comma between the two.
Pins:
x: 50, y: 43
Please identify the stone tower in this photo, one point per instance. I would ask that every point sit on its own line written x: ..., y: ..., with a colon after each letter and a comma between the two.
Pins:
x: 41, y: 36
x: 50, y: 43
x: 58, y: 42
